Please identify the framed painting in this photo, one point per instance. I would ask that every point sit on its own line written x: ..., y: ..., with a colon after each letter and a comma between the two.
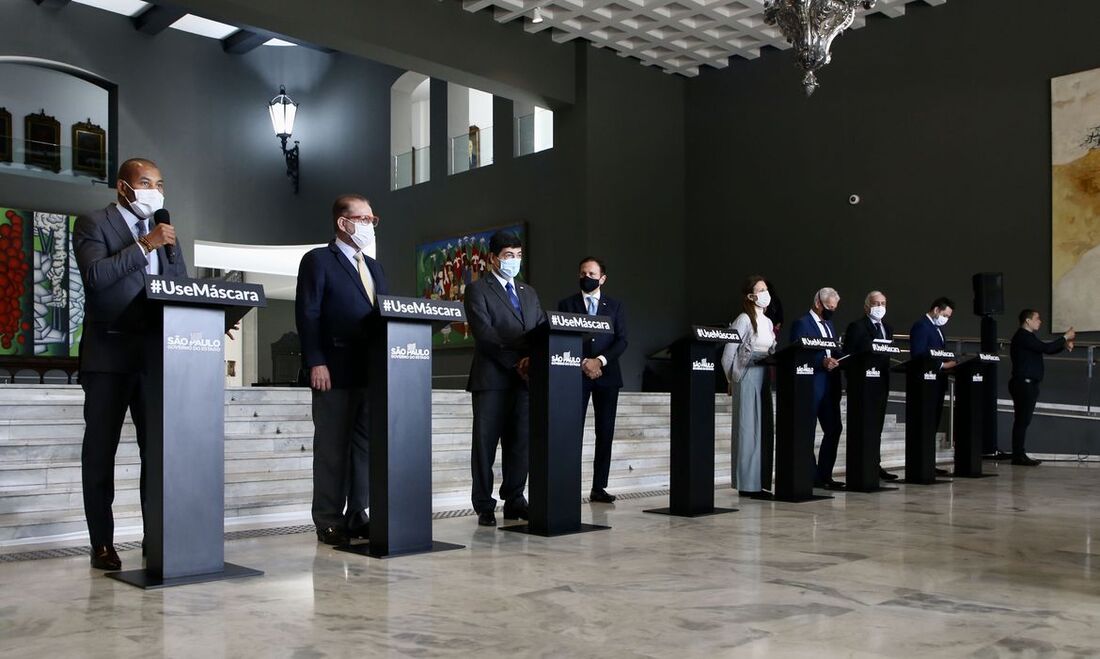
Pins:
x: 42, y: 135
x: 6, y: 150
x: 89, y: 149
x: 1075, y: 201
x: 445, y: 267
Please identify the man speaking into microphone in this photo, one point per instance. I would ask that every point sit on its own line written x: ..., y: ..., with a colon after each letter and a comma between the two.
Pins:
x: 115, y: 248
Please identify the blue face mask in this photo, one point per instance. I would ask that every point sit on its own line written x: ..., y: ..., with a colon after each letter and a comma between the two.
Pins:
x: 509, y: 268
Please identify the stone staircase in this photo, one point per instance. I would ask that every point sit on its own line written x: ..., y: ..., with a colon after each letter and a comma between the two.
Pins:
x: 268, y: 457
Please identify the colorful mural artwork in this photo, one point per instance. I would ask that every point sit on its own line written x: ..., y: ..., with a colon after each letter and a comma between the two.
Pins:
x: 41, y: 293
x: 445, y: 267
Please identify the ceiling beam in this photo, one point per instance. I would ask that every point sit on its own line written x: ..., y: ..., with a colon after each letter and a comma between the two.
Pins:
x: 51, y: 4
x: 242, y: 41
x: 157, y: 18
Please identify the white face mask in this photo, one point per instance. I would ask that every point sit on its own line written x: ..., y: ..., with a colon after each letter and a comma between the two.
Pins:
x: 510, y: 267
x: 363, y: 236
x: 940, y: 321
x: 763, y: 299
x: 877, y: 313
x: 146, y: 202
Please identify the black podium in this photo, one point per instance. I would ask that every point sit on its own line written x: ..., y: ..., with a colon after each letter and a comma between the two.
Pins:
x: 183, y: 323
x: 691, y: 450
x: 868, y: 379
x: 796, y: 419
x: 400, y: 367
x: 974, y: 379
x: 557, y: 424
x: 925, y: 383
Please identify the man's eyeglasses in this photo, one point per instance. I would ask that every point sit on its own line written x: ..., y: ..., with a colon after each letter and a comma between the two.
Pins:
x: 371, y: 219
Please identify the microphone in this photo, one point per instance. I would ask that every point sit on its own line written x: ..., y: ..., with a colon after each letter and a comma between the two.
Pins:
x: 162, y: 217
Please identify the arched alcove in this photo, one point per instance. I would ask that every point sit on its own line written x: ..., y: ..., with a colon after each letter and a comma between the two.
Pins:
x: 410, y: 134
x: 73, y: 135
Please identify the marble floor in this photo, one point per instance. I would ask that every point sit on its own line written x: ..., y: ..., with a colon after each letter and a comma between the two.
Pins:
x: 984, y: 568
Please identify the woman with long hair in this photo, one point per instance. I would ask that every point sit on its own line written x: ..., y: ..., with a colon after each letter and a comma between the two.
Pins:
x: 745, y: 372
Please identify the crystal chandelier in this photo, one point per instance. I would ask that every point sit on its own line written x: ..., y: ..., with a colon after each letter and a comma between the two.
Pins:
x: 810, y: 26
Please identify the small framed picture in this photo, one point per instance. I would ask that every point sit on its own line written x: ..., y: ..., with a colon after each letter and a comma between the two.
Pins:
x: 5, y: 135
x: 43, y: 140
x: 89, y: 149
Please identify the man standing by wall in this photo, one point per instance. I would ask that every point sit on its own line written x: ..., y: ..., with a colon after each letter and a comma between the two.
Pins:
x: 1027, y: 352
x: 500, y: 312
x: 115, y: 248
x: 859, y: 337
x: 827, y: 390
x: 336, y: 310
x: 602, y: 376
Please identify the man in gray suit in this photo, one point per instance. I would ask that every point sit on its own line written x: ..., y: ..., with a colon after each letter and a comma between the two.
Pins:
x: 501, y: 311
x: 115, y: 248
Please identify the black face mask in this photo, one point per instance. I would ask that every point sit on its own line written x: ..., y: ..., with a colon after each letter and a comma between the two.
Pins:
x: 589, y: 284
x: 826, y: 314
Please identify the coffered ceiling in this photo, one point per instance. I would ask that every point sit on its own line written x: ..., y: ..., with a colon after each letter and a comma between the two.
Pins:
x: 678, y: 36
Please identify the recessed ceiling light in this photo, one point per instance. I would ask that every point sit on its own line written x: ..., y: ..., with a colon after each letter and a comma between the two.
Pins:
x: 278, y: 42
x: 204, y: 27
x: 124, y: 7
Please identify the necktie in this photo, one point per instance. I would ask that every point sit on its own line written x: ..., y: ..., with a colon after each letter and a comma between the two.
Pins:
x: 881, y: 332
x: 591, y: 306
x: 142, y: 232
x: 513, y: 298
x: 364, y: 276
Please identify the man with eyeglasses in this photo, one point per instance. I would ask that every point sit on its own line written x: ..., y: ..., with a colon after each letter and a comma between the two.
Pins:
x: 501, y: 311
x: 115, y: 248
x: 336, y: 310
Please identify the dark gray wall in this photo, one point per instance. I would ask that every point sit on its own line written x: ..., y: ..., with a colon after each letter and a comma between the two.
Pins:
x: 939, y: 120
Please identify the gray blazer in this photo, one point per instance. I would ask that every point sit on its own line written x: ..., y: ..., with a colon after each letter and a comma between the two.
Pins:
x: 112, y: 266
x: 500, y: 335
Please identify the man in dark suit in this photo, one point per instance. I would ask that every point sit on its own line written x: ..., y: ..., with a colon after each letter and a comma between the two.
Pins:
x: 827, y: 390
x: 925, y: 336
x: 115, y: 248
x: 600, y: 366
x: 336, y: 310
x: 860, y: 336
x: 1027, y: 352
x: 500, y: 312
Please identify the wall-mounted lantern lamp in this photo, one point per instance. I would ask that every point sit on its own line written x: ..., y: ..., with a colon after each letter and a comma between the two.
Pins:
x: 283, y: 111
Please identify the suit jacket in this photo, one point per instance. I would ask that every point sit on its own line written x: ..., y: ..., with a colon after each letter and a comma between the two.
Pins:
x: 1027, y: 352
x: 806, y: 326
x: 861, y: 334
x: 112, y: 266
x: 924, y: 337
x: 335, y: 318
x: 611, y: 346
x: 500, y: 334
x: 824, y: 380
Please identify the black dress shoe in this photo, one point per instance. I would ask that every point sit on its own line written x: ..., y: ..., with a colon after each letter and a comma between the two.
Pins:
x: 886, y: 476
x: 361, y: 531
x: 518, y: 511
x: 601, y: 496
x: 487, y: 518
x: 942, y: 472
x: 105, y: 557
x: 833, y: 485
x: 330, y: 535
x: 1024, y: 461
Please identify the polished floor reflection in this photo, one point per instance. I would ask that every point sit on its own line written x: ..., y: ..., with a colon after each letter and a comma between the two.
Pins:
x: 985, y: 568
